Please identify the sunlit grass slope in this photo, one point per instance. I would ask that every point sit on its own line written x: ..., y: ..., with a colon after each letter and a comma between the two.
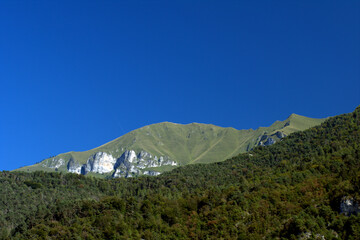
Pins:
x: 187, y: 144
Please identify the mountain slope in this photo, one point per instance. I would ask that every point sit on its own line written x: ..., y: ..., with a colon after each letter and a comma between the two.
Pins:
x: 305, y: 187
x: 159, y: 147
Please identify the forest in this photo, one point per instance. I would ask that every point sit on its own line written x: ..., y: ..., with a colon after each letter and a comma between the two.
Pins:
x: 290, y: 190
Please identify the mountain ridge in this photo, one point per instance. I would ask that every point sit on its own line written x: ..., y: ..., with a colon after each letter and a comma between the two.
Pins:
x: 166, y: 145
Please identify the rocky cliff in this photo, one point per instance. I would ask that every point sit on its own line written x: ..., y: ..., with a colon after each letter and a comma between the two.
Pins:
x: 129, y: 164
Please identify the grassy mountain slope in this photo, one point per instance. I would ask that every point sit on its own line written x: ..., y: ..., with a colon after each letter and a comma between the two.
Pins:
x: 187, y: 144
x: 290, y: 190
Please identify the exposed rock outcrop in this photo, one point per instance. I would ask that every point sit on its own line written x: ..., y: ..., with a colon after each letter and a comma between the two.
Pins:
x: 73, y: 166
x: 130, y: 164
x: 266, y: 140
x: 100, y: 162
x: 127, y: 165
x: 349, y: 205
x: 269, y: 141
x: 280, y: 134
x: 53, y: 163
x: 151, y: 173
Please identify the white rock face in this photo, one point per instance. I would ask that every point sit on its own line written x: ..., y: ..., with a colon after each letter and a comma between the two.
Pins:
x: 130, y: 156
x: 54, y: 163
x: 129, y: 165
x: 75, y: 170
x: 151, y: 173
x: 73, y: 166
x: 100, y: 162
x: 144, y: 154
x: 119, y: 173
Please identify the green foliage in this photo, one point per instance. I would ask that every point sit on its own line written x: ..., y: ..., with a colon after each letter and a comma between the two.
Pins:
x: 32, y: 184
x: 288, y: 190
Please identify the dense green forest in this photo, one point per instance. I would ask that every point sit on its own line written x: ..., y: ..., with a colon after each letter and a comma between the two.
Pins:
x: 290, y: 190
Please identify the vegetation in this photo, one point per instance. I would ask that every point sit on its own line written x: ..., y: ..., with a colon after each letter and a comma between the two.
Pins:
x: 185, y: 144
x: 289, y: 190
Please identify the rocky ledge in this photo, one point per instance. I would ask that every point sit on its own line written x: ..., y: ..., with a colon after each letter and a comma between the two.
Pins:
x: 266, y: 140
x: 129, y: 164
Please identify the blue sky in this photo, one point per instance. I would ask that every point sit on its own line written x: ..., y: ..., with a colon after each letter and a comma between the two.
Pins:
x: 77, y: 74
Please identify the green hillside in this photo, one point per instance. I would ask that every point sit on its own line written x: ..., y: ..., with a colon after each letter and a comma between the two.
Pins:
x: 305, y: 187
x: 186, y: 144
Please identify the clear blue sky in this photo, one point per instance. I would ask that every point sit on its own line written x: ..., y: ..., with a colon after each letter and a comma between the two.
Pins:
x: 77, y: 74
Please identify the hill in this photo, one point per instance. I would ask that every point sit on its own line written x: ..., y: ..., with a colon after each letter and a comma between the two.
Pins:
x: 304, y: 187
x: 164, y: 146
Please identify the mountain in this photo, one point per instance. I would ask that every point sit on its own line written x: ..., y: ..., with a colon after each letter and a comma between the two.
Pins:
x: 304, y: 187
x: 160, y: 147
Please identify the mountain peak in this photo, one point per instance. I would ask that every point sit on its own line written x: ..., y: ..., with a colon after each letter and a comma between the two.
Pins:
x: 168, y: 145
x: 294, y: 115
